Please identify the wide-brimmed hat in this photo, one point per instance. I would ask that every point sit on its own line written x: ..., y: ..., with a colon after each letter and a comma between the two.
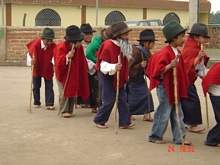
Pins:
x: 200, y: 29
x: 73, y: 33
x: 119, y: 28
x: 86, y: 28
x: 48, y: 33
x: 147, y: 35
x: 172, y: 29
x: 107, y: 33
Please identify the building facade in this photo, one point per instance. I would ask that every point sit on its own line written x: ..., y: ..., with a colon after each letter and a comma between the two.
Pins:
x: 105, y: 12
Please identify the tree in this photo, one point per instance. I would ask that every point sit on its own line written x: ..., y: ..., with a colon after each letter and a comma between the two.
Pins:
x: 215, y: 18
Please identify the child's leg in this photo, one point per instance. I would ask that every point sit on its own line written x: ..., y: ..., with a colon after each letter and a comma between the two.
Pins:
x: 161, y: 116
x: 213, y: 137
x: 49, y: 93
x: 123, y: 110
x: 108, y: 99
x: 36, y: 89
x: 174, y: 124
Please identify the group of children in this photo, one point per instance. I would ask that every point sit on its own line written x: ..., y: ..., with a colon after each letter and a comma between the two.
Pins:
x: 170, y: 71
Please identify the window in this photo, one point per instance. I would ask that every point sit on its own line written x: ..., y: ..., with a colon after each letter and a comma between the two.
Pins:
x: 114, y: 17
x: 47, y: 17
x: 170, y: 17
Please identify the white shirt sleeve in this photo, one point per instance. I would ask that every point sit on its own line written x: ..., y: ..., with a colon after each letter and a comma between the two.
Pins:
x: 28, y: 59
x: 67, y: 60
x: 90, y: 66
x: 107, y: 68
x: 52, y: 61
x: 214, y: 90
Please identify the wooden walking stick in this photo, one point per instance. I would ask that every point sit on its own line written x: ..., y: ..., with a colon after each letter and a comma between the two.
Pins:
x: 176, y: 101
x: 67, y: 78
x: 116, y: 99
x: 206, y: 100
x: 32, y: 74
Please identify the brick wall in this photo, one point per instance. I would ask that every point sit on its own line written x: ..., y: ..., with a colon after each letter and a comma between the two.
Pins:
x: 13, y: 42
x: 16, y: 39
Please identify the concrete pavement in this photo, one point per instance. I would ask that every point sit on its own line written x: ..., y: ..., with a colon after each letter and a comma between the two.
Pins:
x: 44, y: 138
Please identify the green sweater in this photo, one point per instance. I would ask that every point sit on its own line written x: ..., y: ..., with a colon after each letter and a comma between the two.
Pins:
x: 93, y: 48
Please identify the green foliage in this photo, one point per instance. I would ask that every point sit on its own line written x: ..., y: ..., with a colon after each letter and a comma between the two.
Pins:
x: 215, y: 18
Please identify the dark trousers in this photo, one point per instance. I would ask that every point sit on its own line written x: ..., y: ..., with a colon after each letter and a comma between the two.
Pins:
x: 81, y: 101
x: 191, y: 107
x: 108, y: 96
x: 213, y: 137
x: 94, y: 90
x: 49, y: 93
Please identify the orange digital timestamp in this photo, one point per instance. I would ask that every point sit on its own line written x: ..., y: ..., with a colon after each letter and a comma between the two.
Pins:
x: 181, y: 149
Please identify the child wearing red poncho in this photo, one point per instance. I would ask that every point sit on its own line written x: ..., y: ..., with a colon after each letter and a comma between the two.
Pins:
x: 192, y: 55
x: 72, y: 75
x: 107, y: 62
x: 40, y: 54
x: 160, y: 72
x: 211, y: 84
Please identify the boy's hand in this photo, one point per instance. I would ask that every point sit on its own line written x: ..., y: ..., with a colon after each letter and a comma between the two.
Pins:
x: 70, y: 54
x: 201, y: 54
x: 118, y: 67
x: 94, y: 67
x: 174, y: 63
x: 32, y: 61
x: 143, y: 64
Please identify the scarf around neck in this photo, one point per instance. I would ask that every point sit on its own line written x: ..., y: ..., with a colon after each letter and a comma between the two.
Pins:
x: 142, y: 49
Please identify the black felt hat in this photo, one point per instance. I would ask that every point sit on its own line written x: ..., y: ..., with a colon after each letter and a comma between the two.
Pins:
x: 200, y: 29
x: 147, y: 35
x: 73, y: 33
x: 86, y: 28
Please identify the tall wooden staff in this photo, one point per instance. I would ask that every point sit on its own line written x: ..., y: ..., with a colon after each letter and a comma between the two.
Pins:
x: 32, y: 74
x: 176, y: 101
x: 67, y: 79
x: 148, y: 93
x: 116, y: 99
x: 206, y: 101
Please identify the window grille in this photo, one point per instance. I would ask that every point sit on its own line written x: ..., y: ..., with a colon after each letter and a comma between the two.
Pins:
x: 114, y: 17
x: 47, y: 17
x: 170, y: 17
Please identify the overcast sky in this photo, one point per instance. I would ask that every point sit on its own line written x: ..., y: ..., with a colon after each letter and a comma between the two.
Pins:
x: 215, y: 5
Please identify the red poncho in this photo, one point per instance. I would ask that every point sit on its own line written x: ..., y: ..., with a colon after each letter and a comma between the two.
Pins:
x: 43, y: 66
x: 109, y: 52
x: 77, y: 84
x: 157, y: 65
x: 190, y: 52
x: 212, y: 77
